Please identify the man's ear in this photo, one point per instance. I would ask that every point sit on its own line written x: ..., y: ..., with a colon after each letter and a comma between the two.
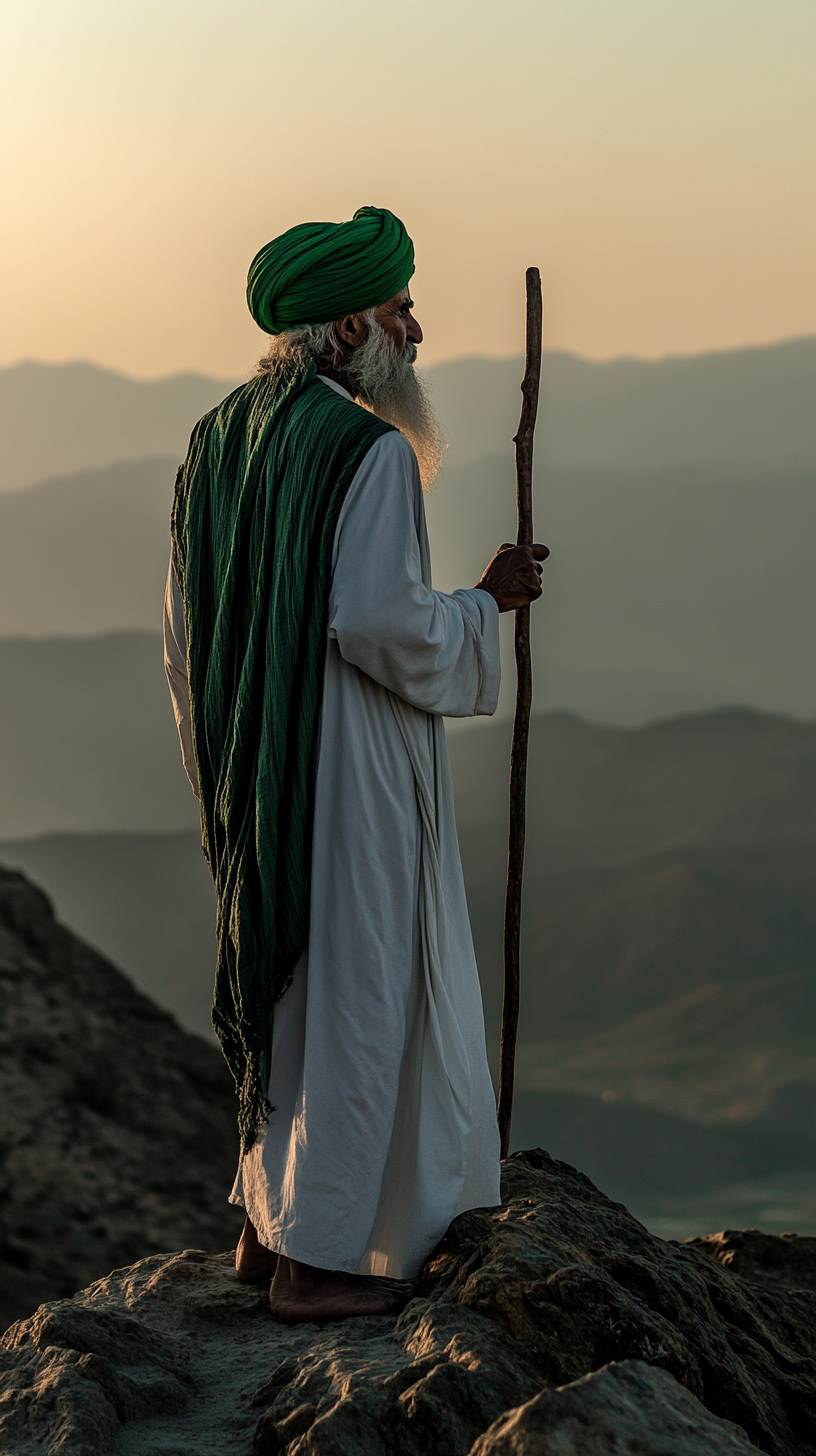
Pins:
x: 351, y: 330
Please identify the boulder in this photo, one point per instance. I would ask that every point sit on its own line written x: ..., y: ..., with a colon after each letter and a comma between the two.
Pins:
x: 627, y: 1409
x: 556, y: 1314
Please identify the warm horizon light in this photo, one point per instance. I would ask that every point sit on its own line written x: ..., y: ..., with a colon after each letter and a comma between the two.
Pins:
x: 427, y: 363
x: 654, y: 157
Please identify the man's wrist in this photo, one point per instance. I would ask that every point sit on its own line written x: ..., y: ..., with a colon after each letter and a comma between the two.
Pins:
x: 483, y: 586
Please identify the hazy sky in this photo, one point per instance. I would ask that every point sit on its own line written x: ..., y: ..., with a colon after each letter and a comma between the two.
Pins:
x: 654, y: 157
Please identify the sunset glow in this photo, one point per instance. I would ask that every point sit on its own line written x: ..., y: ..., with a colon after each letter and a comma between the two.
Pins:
x: 654, y: 157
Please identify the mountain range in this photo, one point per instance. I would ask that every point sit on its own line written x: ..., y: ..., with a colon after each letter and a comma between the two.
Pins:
x: 680, y: 575
x: 669, y: 591
x: 745, y: 406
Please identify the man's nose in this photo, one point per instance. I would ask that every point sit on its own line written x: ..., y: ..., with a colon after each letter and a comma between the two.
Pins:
x: 414, y: 332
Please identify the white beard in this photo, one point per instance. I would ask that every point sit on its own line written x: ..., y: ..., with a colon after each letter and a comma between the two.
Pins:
x: 386, y: 382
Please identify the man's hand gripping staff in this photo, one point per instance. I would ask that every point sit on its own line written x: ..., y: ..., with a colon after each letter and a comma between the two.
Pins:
x: 513, y: 577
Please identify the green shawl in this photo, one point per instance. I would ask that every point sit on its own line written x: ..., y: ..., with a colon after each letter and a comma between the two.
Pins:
x: 257, y: 502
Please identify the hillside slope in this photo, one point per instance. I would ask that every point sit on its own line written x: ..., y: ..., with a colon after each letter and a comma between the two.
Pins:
x: 601, y: 795
x: 145, y: 900
x: 87, y: 737
x: 117, y: 1128
x: 685, y: 981
x: 85, y: 554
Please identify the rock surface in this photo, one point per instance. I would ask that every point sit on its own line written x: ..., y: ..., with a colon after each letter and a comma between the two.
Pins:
x: 630, y: 1409
x: 117, y: 1128
x: 174, y: 1356
x: 785, y: 1260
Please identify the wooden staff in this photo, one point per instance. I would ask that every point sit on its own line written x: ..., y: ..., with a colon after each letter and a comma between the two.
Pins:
x: 523, y: 442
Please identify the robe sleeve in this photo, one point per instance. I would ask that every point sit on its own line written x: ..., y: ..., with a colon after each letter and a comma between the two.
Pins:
x: 175, y: 668
x: 437, y: 651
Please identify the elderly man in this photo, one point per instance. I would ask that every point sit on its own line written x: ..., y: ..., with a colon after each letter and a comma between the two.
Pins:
x: 311, y: 663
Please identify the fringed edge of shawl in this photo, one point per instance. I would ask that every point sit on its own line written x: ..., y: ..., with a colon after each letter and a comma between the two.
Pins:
x: 250, y: 1065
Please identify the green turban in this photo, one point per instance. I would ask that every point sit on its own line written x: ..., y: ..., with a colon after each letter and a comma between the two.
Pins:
x: 319, y: 271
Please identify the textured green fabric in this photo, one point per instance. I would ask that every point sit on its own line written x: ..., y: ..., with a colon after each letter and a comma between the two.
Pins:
x: 320, y: 271
x: 254, y: 518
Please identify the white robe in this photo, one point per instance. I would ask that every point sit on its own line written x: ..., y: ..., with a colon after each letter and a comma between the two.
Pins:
x: 384, y: 1121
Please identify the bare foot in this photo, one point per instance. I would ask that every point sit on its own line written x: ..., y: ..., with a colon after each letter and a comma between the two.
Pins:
x: 300, y: 1293
x: 254, y: 1263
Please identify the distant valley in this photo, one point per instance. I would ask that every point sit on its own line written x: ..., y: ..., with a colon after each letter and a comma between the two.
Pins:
x: 684, y: 981
x: 669, y: 938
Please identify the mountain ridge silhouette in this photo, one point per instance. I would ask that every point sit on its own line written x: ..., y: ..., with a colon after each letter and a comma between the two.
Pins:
x: 741, y: 405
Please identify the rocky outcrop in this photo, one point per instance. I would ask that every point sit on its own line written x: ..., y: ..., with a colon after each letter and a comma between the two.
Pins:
x: 628, y: 1408
x: 553, y: 1326
x: 117, y: 1128
x: 786, y: 1260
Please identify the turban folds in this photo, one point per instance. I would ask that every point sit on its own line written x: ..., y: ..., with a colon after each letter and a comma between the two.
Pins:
x: 320, y: 271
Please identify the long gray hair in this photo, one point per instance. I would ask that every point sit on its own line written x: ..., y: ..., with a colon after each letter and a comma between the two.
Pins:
x: 381, y: 378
